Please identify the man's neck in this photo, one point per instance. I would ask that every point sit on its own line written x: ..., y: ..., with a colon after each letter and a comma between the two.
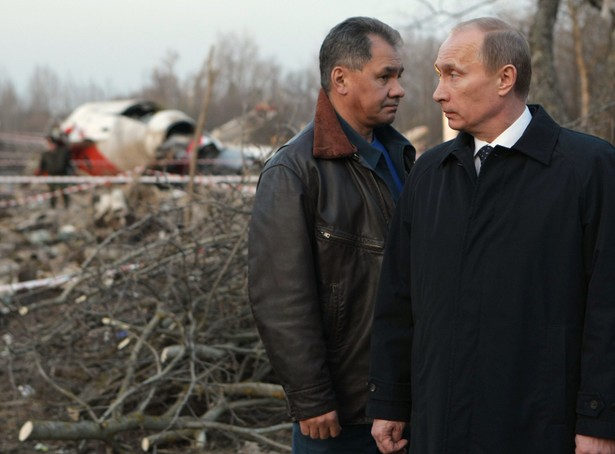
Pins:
x: 366, y: 133
x: 510, y: 135
x: 506, y: 118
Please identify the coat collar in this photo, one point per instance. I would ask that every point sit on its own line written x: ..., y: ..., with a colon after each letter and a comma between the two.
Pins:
x: 538, y: 141
x: 330, y: 142
x: 540, y: 137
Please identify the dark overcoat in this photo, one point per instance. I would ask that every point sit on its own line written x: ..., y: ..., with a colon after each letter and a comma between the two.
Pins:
x: 494, y: 330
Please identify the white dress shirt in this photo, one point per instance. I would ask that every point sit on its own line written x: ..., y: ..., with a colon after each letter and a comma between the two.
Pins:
x: 508, y: 138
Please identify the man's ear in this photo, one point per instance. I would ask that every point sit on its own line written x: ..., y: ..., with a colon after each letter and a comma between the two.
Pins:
x: 507, y: 79
x: 339, y: 76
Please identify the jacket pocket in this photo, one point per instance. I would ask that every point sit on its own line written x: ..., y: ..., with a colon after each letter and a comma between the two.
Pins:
x: 368, y: 244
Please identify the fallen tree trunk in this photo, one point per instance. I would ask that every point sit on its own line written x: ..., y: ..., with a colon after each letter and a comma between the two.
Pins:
x: 60, y: 430
x: 56, y: 430
x: 203, y: 352
x: 253, y: 390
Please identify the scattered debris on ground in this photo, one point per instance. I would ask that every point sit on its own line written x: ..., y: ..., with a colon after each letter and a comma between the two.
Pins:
x: 127, y: 329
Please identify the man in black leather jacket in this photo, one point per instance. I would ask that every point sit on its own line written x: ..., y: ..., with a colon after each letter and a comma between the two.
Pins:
x: 318, y: 229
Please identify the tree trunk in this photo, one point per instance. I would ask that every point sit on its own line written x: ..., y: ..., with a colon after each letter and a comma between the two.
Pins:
x: 545, y: 90
x: 577, y: 37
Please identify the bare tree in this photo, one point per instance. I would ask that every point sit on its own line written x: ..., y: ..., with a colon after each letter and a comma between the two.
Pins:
x: 44, y: 97
x: 603, y: 102
x: 164, y: 85
x: 419, y: 81
x: 583, y: 58
x: 573, y: 58
x: 579, y: 56
x: 545, y: 89
x: 11, y: 113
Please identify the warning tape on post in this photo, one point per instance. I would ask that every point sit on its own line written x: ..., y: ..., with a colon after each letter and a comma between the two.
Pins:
x: 161, y: 178
x: 229, y: 162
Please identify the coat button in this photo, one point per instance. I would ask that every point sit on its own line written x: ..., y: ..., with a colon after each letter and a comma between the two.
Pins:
x: 593, y: 404
x: 372, y: 387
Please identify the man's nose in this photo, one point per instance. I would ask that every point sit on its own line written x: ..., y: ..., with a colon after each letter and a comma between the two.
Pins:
x: 397, y: 91
x: 439, y: 93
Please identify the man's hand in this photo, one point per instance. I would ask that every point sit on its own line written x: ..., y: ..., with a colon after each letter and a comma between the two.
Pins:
x: 592, y: 445
x: 323, y: 426
x: 388, y: 436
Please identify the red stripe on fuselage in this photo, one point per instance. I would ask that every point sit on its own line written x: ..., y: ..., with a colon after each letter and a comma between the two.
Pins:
x: 90, y: 159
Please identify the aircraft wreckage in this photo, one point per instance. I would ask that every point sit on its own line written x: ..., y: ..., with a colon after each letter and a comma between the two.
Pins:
x: 111, y: 137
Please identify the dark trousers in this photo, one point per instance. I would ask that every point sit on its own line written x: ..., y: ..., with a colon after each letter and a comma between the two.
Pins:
x: 354, y: 439
x: 53, y: 187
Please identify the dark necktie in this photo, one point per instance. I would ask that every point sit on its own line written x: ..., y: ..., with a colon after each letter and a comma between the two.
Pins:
x: 483, y: 153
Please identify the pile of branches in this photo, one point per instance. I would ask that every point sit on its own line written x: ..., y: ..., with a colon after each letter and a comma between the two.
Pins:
x: 150, y: 346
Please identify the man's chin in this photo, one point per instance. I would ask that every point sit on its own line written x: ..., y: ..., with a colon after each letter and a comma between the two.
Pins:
x: 387, y: 119
x: 455, y: 125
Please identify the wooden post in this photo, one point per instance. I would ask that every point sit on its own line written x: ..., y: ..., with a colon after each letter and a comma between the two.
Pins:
x: 212, y: 73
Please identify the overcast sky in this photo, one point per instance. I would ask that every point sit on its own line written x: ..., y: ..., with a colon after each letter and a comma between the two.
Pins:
x: 116, y: 43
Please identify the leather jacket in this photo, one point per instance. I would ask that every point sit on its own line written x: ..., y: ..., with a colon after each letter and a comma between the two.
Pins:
x: 316, y: 242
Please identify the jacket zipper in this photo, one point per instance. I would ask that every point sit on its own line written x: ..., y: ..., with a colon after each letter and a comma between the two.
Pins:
x: 372, y: 246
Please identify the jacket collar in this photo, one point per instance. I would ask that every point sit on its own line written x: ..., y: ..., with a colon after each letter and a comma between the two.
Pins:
x: 330, y: 142
x: 538, y: 141
x: 540, y: 137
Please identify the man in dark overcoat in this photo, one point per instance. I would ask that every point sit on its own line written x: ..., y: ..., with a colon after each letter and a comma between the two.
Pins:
x: 494, y: 327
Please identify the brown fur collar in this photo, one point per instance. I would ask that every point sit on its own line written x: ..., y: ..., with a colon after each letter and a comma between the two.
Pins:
x: 330, y: 142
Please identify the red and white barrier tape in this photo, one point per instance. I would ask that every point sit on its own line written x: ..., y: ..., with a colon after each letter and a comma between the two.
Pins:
x: 156, y: 178
x: 94, y: 164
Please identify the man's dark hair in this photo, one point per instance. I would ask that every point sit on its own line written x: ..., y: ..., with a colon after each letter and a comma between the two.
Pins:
x: 349, y: 44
